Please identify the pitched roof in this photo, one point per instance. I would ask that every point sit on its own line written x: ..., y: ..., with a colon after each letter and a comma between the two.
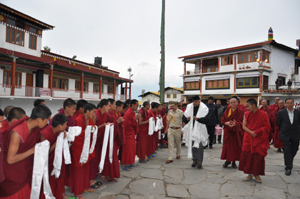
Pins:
x: 175, y: 88
x: 248, y: 46
x: 148, y: 93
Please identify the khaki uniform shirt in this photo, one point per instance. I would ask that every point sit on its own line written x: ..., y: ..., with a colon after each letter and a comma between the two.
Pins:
x: 175, y: 118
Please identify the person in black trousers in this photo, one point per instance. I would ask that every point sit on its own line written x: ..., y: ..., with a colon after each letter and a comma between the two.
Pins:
x: 288, y: 121
x: 212, y: 120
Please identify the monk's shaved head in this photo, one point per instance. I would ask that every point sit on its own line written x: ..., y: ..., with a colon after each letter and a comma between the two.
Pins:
x: 6, y: 110
x: 234, y: 103
x: 281, y: 104
x: 264, y: 103
x: 277, y: 100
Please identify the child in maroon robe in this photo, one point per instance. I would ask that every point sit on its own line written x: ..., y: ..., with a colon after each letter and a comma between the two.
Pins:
x: 142, y: 137
x: 151, y: 139
x: 112, y: 170
x: 50, y: 133
x: 19, y: 142
x: 100, y: 121
x: 79, y: 171
x: 79, y: 108
x: 130, y: 128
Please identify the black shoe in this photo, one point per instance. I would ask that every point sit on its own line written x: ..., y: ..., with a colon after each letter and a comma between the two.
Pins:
x: 199, y: 166
x: 288, y: 172
x: 182, y: 144
x: 214, y: 142
x: 194, y: 164
x: 210, y: 147
x: 279, y: 150
x: 225, y: 165
x: 234, y: 165
x: 219, y: 142
x: 205, y: 147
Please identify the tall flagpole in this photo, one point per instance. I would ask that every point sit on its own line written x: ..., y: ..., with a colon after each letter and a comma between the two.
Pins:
x: 162, y: 44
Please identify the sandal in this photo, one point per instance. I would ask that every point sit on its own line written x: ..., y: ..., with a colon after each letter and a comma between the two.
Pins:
x: 126, y: 168
x: 132, y: 165
x: 79, y: 197
x: 98, y: 183
x: 95, y: 186
x: 72, y: 197
x: 89, y: 190
x: 143, y: 161
x: 169, y: 161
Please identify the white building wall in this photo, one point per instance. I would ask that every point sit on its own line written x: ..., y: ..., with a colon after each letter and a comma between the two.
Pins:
x: 46, y: 81
x: 150, y: 98
x: 23, y: 49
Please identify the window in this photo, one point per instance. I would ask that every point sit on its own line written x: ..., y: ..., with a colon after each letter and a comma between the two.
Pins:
x: 248, y: 57
x: 14, y: 36
x: 33, y: 30
x: 168, y: 95
x: 265, y: 56
x: 192, y: 85
x: 174, y: 96
x: 32, y: 41
x: 77, y: 85
x: 60, y: 83
x: 247, y: 82
x: 110, y: 89
x: 227, y: 60
x: 7, y: 78
x: 96, y: 88
x: 85, y: 86
x: 217, y: 84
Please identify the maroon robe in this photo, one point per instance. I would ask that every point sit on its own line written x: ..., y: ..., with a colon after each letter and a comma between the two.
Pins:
x: 94, y: 163
x: 151, y: 139
x: 57, y: 184
x: 1, y: 158
x: 4, y: 126
x: 112, y: 169
x: 275, y: 108
x: 130, y: 128
x: 233, y: 136
x: 272, y: 120
x: 255, y: 148
x: 277, y: 141
x: 142, y: 137
x: 79, y: 171
x: 18, y: 175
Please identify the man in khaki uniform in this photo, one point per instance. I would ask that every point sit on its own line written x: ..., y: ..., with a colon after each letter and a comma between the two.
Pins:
x: 174, y: 125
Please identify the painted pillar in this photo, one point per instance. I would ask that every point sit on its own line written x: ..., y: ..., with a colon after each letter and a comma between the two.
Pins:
x: 234, y: 87
x: 114, y: 91
x: 201, y: 66
x: 218, y: 64
x: 130, y: 90
x: 234, y: 60
x: 200, y: 84
x: 100, y: 87
x: 184, y: 68
x: 81, y: 85
x: 126, y: 90
x: 13, y: 76
x: 51, y: 80
x: 261, y: 81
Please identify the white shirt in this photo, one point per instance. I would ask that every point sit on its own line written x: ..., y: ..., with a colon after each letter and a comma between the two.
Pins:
x: 291, y: 115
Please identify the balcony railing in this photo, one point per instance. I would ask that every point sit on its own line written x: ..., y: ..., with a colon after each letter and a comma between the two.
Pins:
x: 282, y: 89
x: 193, y: 72
x: 30, y: 91
x: 206, y: 69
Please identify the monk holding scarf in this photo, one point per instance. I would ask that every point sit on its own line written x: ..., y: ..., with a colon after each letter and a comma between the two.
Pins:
x: 194, y: 119
x: 51, y: 133
x: 272, y: 117
x: 19, y: 145
x: 277, y: 141
x: 142, y: 137
x: 79, y: 168
x: 232, y: 121
x: 130, y: 128
x: 256, y: 141
x: 79, y: 108
x: 151, y: 139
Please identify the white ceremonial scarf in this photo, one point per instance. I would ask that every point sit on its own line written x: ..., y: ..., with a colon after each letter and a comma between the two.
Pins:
x: 86, y: 150
x: 40, y: 171
x: 108, y: 134
x: 198, y: 132
x: 159, y: 126
x: 151, y: 126
x: 73, y: 131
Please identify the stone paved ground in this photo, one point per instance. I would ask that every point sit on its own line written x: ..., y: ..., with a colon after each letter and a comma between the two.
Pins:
x: 157, y: 180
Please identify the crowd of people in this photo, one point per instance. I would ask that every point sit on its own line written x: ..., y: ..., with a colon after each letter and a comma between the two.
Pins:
x: 83, y: 141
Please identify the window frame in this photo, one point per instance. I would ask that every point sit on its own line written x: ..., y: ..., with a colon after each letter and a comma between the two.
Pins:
x: 251, y: 57
x: 66, y: 83
x: 95, y: 88
x: 174, y: 95
x: 250, y: 86
x: 217, y: 87
x: 31, y: 41
x: 16, y: 83
x: 168, y: 96
x: 226, y: 59
x: 21, y: 39
x: 196, y: 85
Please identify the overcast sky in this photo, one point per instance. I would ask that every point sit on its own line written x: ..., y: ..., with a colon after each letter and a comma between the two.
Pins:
x: 127, y: 32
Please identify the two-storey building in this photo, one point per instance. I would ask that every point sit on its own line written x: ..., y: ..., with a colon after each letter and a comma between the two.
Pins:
x: 249, y: 71
x: 28, y: 71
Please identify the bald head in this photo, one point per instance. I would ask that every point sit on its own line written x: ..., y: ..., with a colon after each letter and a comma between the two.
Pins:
x: 281, y: 104
x: 6, y: 110
x: 264, y: 103
x: 277, y: 99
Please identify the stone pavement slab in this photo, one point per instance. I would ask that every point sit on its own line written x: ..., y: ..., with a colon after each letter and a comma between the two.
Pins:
x: 177, y: 191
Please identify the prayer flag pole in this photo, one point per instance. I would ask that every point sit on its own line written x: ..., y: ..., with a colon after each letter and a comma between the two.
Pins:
x: 162, y: 45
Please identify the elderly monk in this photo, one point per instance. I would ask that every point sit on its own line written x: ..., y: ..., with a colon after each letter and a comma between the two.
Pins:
x: 130, y: 129
x: 142, y: 137
x: 256, y: 141
x: 232, y: 121
x: 277, y: 141
x: 272, y: 118
x: 275, y: 107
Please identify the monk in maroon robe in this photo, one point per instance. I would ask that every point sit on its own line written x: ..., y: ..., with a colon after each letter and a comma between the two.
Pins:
x: 151, y: 139
x: 19, y: 144
x: 100, y: 121
x: 79, y: 171
x: 277, y: 141
x: 142, y: 137
x: 1, y: 147
x: 232, y: 121
x: 256, y: 141
x: 50, y: 133
x: 271, y: 115
x: 130, y: 129
x: 79, y: 108
x: 274, y: 106
x: 111, y: 171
